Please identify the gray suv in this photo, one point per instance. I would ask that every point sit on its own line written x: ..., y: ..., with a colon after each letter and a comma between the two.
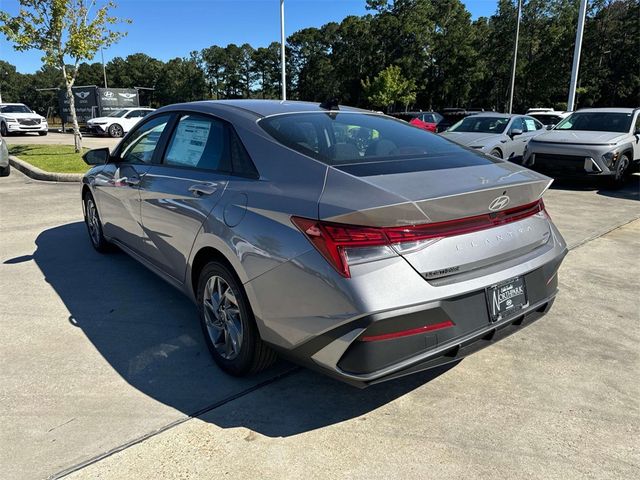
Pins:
x: 602, y: 142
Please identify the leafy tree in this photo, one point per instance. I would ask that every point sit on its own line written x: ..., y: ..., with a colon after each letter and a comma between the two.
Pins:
x: 12, y: 83
x: 313, y: 74
x: 180, y: 80
x: 213, y: 60
x: 266, y: 64
x: 62, y: 29
x: 90, y: 74
x: 389, y: 88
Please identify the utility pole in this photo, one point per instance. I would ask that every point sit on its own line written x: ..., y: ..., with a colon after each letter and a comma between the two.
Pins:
x: 571, y: 103
x: 282, y: 59
x: 104, y: 70
x: 515, y: 58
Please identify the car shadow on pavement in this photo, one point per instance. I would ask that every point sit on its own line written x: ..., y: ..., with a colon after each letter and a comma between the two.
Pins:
x: 149, y: 333
x: 630, y: 190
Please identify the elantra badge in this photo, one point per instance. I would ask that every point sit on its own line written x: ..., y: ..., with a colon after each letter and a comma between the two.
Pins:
x: 499, y: 203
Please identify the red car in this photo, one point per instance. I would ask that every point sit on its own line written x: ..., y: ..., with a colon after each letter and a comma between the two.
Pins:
x: 424, y: 120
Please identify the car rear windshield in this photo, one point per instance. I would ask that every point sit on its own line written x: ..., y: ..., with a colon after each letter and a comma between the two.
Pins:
x: 366, y: 142
x: 597, y: 122
x: 479, y: 124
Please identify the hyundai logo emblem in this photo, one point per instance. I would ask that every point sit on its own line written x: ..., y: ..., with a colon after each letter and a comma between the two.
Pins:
x: 499, y: 203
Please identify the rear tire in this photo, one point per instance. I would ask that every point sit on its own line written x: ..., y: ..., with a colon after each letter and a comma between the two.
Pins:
x: 5, y: 171
x: 94, y: 225
x: 115, y: 130
x: 496, y: 153
x: 228, y: 323
x: 3, y: 130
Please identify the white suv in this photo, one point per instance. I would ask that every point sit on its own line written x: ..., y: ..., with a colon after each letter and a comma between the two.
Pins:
x: 18, y: 118
x: 117, y: 123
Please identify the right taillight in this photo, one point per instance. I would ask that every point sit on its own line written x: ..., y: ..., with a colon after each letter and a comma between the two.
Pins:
x: 343, y: 245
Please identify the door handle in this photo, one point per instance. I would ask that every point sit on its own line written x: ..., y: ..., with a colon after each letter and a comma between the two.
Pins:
x: 132, y: 182
x: 203, y: 188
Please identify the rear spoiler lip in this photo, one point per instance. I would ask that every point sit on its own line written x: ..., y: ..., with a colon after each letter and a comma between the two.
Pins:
x: 360, y: 217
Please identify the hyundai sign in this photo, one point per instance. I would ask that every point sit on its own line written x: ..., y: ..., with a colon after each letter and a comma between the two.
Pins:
x: 96, y: 102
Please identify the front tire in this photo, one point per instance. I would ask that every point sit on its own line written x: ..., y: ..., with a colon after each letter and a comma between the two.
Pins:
x: 496, y: 153
x: 621, y: 172
x: 43, y: 134
x: 228, y: 323
x: 4, y: 131
x: 94, y: 225
x: 115, y: 130
x: 5, y: 171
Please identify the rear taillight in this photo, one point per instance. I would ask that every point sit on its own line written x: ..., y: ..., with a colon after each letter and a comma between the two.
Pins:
x: 343, y: 245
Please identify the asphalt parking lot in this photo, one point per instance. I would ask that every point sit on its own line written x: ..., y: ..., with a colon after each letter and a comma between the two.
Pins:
x: 104, y: 373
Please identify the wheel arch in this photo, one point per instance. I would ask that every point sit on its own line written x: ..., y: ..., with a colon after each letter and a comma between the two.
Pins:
x: 496, y: 147
x: 205, y: 255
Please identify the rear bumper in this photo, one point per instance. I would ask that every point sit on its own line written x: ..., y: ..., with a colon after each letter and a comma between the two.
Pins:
x: 343, y: 354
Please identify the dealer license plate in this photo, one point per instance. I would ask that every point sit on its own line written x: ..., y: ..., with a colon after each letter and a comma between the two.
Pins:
x: 506, y: 299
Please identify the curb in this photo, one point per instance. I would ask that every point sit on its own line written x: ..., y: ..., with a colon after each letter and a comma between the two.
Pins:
x: 37, y: 174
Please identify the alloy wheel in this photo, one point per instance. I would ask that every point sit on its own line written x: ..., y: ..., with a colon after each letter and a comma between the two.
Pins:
x: 115, y: 130
x: 93, y: 222
x: 222, y: 317
x: 621, y: 170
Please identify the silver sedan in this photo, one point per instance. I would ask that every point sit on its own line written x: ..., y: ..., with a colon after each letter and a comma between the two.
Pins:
x: 502, y: 135
x: 346, y: 240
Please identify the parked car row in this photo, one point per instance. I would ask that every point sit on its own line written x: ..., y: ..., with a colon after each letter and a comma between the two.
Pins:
x: 599, y: 142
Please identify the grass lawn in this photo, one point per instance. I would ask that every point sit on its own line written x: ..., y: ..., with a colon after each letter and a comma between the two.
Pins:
x: 50, y: 158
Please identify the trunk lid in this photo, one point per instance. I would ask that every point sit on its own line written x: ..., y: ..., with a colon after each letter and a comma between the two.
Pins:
x: 440, y: 195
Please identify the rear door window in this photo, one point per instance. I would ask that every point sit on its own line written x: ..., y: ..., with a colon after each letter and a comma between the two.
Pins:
x: 199, y: 142
x: 532, y: 125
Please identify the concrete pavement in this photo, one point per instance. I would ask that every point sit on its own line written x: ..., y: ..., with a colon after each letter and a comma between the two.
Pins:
x: 98, y: 355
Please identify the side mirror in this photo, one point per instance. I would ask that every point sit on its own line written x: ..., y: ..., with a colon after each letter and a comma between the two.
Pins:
x: 98, y: 156
x: 515, y: 132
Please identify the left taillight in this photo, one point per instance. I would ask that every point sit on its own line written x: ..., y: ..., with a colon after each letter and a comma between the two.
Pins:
x: 344, y: 245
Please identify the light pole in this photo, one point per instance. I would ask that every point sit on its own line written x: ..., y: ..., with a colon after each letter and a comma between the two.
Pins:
x: 515, y: 58
x: 571, y: 103
x: 283, y: 74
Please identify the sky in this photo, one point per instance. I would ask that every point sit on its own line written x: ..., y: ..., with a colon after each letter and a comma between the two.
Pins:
x: 165, y: 29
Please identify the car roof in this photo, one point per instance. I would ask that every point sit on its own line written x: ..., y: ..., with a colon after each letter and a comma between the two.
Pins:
x: 261, y: 108
x: 607, y: 110
x: 7, y: 104
x: 497, y: 114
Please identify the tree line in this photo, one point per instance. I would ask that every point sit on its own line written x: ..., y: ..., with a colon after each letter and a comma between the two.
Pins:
x: 422, y: 54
